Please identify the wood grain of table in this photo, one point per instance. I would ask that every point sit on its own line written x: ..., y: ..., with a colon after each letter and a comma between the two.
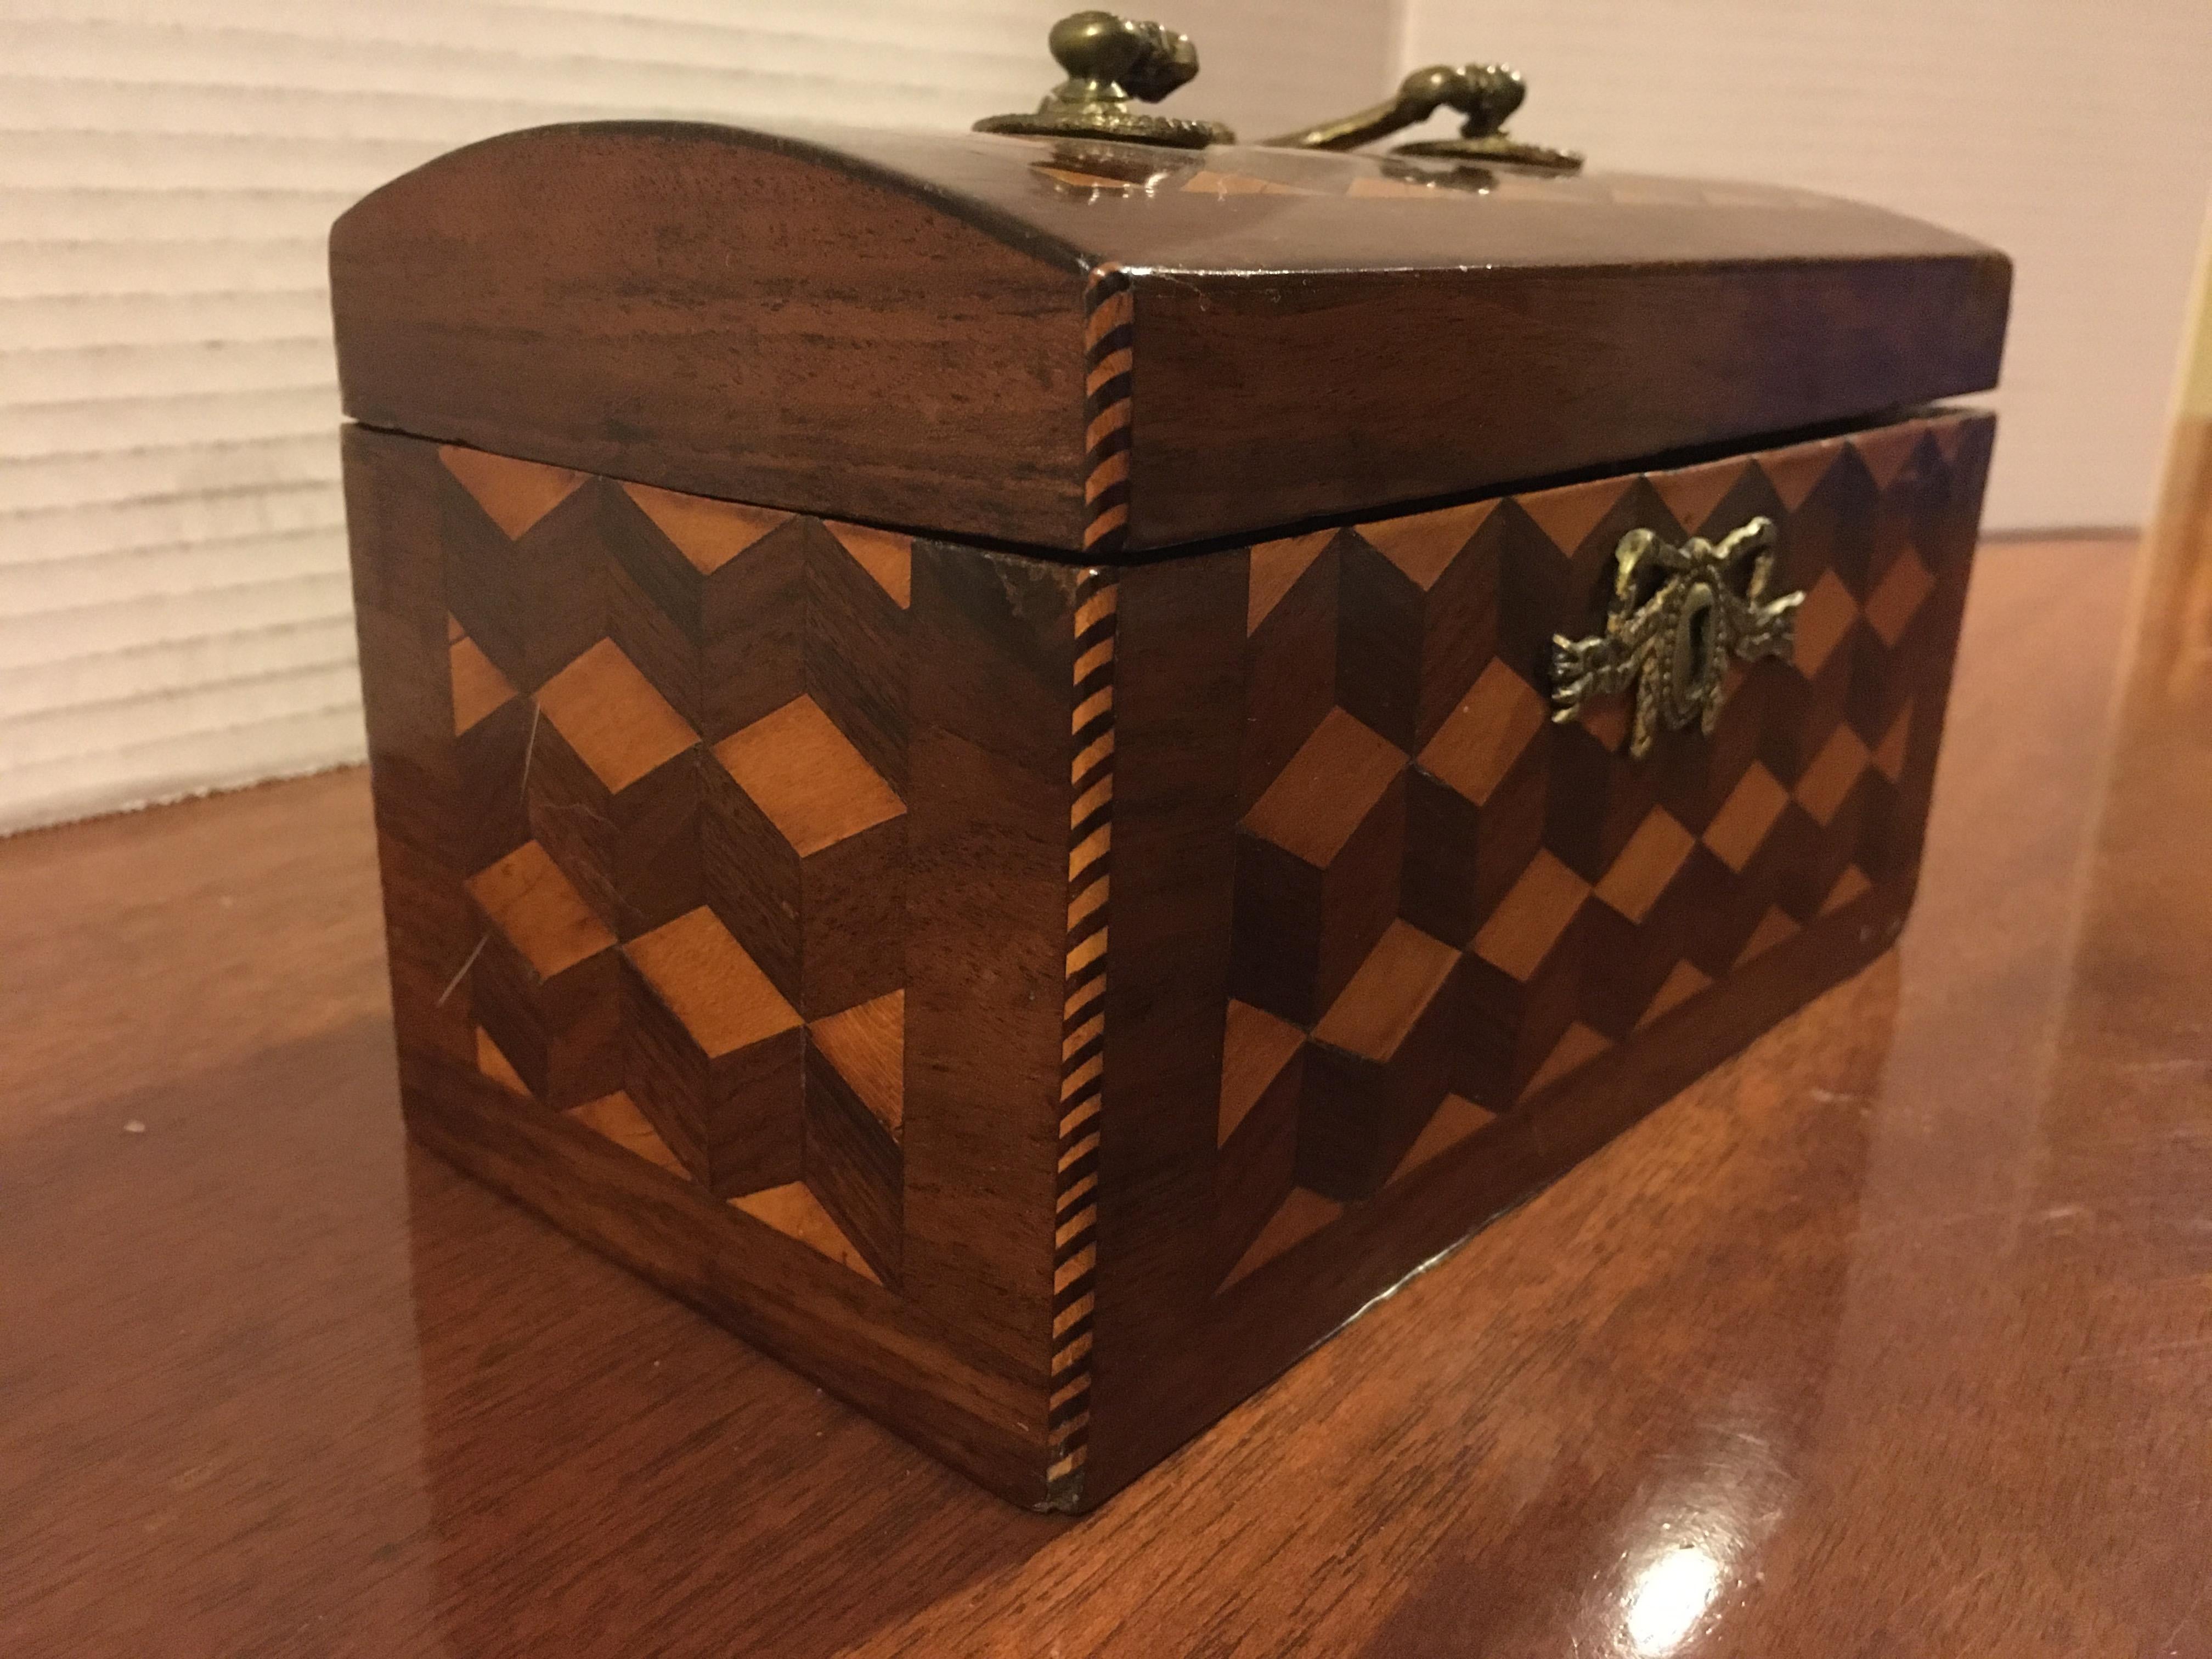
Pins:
x: 1893, y: 1336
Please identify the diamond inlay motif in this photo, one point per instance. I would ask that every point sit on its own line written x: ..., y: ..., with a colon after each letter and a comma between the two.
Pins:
x: 1328, y: 790
x: 1638, y: 877
x: 618, y: 725
x: 710, y: 984
x: 1480, y: 739
x: 1823, y: 619
x: 1891, y: 607
x: 530, y: 902
x: 1838, y: 765
x: 807, y: 777
x: 1524, y: 927
x: 1715, y: 847
x: 1392, y: 989
x: 1738, y: 829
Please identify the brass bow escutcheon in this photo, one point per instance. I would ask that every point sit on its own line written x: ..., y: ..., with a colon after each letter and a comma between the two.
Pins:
x: 1680, y: 616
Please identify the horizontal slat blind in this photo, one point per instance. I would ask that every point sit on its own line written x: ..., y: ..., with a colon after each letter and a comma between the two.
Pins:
x: 173, y: 603
x: 2076, y: 138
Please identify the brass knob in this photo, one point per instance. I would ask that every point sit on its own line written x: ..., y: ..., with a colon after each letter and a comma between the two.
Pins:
x: 1111, y: 61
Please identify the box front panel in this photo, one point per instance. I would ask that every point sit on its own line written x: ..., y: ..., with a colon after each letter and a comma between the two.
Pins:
x: 1440, y: 944
x: 719, y: 935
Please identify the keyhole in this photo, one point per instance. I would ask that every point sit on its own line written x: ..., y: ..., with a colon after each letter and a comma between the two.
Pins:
x: 1693, y: 648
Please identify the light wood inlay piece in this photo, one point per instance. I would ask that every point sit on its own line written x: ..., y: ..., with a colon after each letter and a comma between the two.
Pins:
x: 1275, y: 569
x: 813, y: 785
x: 1886, y: 449
x: 1692, y: 492
x: 1849, y: 886
x: 1608, y: 721
x: 1569, y: 515
x: 884, y: 554
x: 1329, y: 788
x: 1889, y: 758
x: 793, y: 1211
x: 1394, y: 190
x: 1823, y: 619
x: 514, y: 495
x: 1683, y: 982
x: 1822, y: 790
x: 1256, y: 1046
x: 867, y: 1045
x: 1796, y: 473
x: 617, y: 1117
x: 708, y: 533
x: 1302, y: 1214
x: 1424, y: 545
x: 1477, y: 744
x: 1891, y: 607
x: 478, y: 686
x: 1393, y: 987
x: 1529, y: 919
x: 1635, y: 878
x: 1739, y: 827
x: 1577, y: 1048
x: 1773, y: 927
x: 710, y: 984
x: 495, y: 1066
x: 1208, y: 182
x: 541, y: 914
x: 618, y: 724
x: 1455, y: 1121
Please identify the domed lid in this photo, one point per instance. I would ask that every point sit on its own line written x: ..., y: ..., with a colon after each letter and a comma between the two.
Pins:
x: 1105, y: 348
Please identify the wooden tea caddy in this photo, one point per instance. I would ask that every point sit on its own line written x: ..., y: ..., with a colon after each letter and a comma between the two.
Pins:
x: 1029, y: 765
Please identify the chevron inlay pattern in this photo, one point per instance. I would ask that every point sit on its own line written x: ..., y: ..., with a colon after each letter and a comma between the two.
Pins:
x: 1446, y: 905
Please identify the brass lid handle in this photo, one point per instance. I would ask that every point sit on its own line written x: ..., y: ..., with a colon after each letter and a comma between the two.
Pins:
x: 1111, y: 61
x: 1485, y: 94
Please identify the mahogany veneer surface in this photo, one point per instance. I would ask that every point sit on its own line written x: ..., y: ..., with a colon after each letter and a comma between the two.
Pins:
x: 1097, y: 346
x: 1887, y: 1337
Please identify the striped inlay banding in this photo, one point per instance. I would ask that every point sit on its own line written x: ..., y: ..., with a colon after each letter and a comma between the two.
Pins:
x: 1083, y: 1030
x: 1108, y: 335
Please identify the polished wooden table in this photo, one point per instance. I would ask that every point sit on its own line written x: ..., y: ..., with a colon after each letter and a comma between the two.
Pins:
x: 1893, y: 1337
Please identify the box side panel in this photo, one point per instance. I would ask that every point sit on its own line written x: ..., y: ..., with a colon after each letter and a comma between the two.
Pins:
x: 1579, y: 931
x: 851, y: 1169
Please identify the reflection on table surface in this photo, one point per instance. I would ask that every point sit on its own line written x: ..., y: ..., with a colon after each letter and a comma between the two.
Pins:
x: 1892, y: 1336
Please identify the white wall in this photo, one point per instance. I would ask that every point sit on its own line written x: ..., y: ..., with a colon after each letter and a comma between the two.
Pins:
x: 172, y: 588
x: 172, y: 596
x: 2075, y: 137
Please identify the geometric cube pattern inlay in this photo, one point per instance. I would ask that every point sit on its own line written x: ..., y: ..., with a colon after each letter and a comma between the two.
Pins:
x: 760, y: 879
x: 1445, y: 902
x: 689, y: 715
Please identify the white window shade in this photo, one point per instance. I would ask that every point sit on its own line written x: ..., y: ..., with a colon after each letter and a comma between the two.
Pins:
x: 173, y: 601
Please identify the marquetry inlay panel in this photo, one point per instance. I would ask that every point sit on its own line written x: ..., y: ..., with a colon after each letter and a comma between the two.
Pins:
x: 793, y: 906
x: 1446, y: 904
